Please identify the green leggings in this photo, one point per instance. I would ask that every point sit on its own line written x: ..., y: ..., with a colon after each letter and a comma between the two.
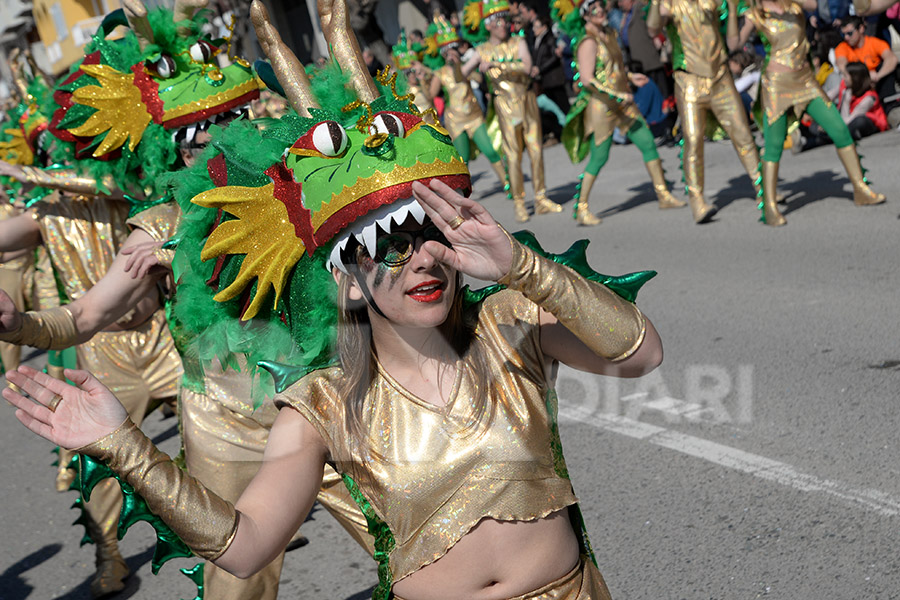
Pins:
x: 481, y: 139
x: 824, y: 113
x: 639, y: 134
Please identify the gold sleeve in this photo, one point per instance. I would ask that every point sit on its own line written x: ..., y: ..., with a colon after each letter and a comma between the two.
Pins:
x: 862, y: 6
x: 204, y: 521
x: 654, y: 20
x: 609, y: 325
x: 66, y: 179
x: 52, y: 329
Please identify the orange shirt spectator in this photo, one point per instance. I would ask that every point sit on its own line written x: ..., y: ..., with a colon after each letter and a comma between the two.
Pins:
x: 869, y: 53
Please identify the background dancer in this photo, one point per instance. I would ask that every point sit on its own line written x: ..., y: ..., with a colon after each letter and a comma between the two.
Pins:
x: 788, y: 84
x: 603, y: 104
x: 506, y: 62
x: 703, y: 82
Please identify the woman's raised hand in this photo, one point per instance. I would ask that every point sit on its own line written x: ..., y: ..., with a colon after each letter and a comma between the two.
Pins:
x: 66, y: 415
x: 480, y: 248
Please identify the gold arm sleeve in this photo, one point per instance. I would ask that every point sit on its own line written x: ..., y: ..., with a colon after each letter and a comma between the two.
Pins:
x: 67, y: 180
x: 609, y: 325
x: 204, y: 521
x: 52, y: 329
x: 862, y: 6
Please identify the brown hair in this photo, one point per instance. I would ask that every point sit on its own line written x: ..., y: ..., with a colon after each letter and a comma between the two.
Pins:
x: 860, y: 81
x: 357, y: 355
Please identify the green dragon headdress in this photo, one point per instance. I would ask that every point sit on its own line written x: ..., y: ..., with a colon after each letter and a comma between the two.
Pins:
x: 476, y: 13
x: 439, y: 36
x: 403, y: 55
x: 119, y: 106
x: 267, y: 210
x: 570, y: 14
x: 25, y: 124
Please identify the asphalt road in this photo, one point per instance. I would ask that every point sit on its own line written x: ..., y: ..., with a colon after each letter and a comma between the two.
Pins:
x: 760, y: 460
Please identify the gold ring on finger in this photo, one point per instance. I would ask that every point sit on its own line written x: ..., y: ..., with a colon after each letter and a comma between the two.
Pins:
x: 456, y: 222
x: 54, y: 402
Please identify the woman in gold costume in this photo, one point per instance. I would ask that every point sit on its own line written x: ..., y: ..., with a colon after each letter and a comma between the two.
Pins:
x: 463, y: 117
x: 788, y: 84
x: 604, y: 103
x: 439, y: 413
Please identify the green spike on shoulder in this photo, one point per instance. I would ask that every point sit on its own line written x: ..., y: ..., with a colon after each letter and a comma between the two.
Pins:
x: 195, y: 574
x: 626, y: 286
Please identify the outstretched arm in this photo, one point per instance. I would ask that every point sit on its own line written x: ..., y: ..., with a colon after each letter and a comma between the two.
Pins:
x: 104, y: 304
x: 21, y: 232
x: 61, y: 179
x: 241, y: 540
x: 871, y: 7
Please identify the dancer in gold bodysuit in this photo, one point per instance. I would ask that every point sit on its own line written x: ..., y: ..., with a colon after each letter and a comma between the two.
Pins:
x: 789, y: 85
x: 703, y: 82
x: 463, y: 117
x: 506, y: 62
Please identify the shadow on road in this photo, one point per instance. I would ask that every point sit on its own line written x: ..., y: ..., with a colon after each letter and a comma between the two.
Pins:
x: 364, y: 595
x: 815, y: 187
x: 11, y: 581
x: 132, y: 584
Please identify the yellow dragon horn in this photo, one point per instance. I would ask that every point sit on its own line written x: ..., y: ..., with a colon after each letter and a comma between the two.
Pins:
x: 290, y: 73
x: 136, y: 13
x: 345, y: 48
x: 18, y: 73
x: 184, y: 10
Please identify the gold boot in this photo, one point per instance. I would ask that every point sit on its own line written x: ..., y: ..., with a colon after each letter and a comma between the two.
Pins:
x: 862, y: 193
x: 771, y: 213
x: 111, y: 567
x: 701, y: 210
x: 583, y: 214
x: 521, y: 211
x: 544, y: 205
x: 665, y: 198
x: 500, y: 170
x: 64, y: 475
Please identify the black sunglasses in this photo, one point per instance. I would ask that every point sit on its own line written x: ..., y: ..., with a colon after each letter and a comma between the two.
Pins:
x: 395, y: 249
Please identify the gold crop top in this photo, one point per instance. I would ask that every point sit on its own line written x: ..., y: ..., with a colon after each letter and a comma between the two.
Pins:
x: 698, y: 25
x: 433, y: 484
x: 786, y: 36
x: 507, y: 72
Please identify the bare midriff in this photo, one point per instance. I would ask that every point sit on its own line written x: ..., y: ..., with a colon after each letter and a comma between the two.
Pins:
x: 498, y: 560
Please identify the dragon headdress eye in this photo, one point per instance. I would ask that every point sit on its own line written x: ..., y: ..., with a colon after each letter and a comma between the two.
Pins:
x: 327, y: 139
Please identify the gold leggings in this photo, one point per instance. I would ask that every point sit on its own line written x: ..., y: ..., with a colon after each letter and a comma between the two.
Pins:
x: 521, y: 137
x: 695, y: 96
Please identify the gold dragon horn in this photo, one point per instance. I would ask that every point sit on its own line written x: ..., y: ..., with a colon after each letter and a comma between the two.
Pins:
x: 184, y: 10
x: 136, y: 13
x: 290, y: 73
x: 345, y: 48
x: 18, y: 73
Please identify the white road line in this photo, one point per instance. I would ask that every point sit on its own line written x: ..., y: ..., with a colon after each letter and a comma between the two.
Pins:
x: 732, y: 458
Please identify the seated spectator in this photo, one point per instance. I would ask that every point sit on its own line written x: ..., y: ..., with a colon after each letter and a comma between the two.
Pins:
x: 873, y: 52
x: 859, y: 105
x: 649, y: 100
x: 826, y: 76
x: 745, y: 71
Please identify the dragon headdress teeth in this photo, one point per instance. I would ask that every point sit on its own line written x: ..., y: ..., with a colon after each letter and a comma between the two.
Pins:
x: 347, y: 173
x: 166, y: 75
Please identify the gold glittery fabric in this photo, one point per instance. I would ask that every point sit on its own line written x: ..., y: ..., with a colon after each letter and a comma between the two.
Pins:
x: 698, y: 24
x: 41, y: 283
x: 795, y: 87
x: 224, y: 442
x: 610, y: 84
x: 65, y: 179
x: 205, y: 522
x: 426, y: 479
x: 82, y: 234
x: 462, y: 114
x: 517, y: 114
x: 583, y: 582
x: 422, y: 101
x: 695, y: 96
x: 13, y: 282
x: 159, y: 221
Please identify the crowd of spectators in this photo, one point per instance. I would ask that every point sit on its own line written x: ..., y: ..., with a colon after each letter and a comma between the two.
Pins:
x: 840, y: 43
